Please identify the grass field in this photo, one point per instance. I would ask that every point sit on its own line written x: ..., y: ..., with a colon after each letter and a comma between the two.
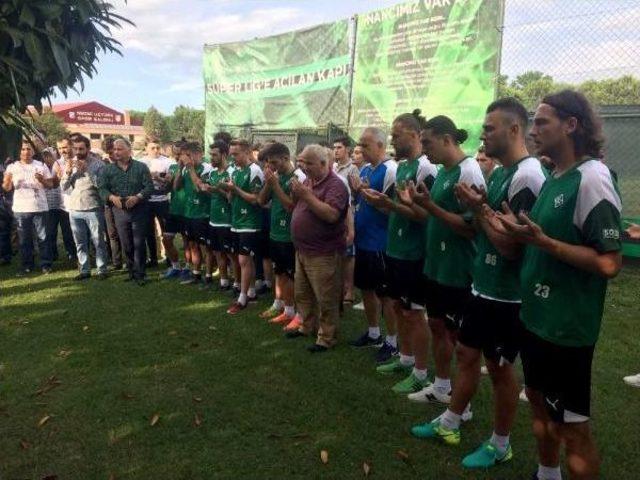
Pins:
x: 232, y: 399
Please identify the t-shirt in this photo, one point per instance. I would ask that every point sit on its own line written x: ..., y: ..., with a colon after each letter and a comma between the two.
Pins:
x: 29, y: 194
x: 54, y: 195
x: 159, y: 165
x: 197, y: 203
x: 405, y: 238
x: 245, y: 216
x: 562, y: 303
x: 281, y: 217
x: 219, y: 207
x: 177, y: 205
x: 448, y: 255
x: 370, y: 223
x: 495, y: 277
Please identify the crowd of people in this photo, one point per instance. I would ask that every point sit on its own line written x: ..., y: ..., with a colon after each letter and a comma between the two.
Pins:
x: 488, y: 257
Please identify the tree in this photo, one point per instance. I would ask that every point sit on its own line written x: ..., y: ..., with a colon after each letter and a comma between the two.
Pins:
x: 613, y: 91
x: 137, y: 116
x: 187, y: 122
x: 155, y: 126
x: 51, y: 126
x: 48, y: 44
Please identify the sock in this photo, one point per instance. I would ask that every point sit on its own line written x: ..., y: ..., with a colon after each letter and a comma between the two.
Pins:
x: 175, y: 265
x: 236, y: 285
x: 392, y: 340
x: 374, y: 332
x: 420, y: 374
x: 443, y: 385
x: 242, y: 299
x: 278, y: 304
x: 268, y: 284
x: 224, y: 282
x: 450, y: 420
x: 499, y: 441
x: 407, y: 360
x: 197, y: 275
x: 258, y: 283
x: 251, y: 292
x: 549, y: 473
x: 289, y: 311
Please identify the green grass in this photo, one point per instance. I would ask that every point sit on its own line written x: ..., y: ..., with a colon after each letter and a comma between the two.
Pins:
x: 123, y: 353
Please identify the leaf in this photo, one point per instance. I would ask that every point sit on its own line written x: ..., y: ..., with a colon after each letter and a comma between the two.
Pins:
x: 64, y: 353
x: 60, y: 56
x: 25, y: 445
x: 154, y: 419
x: 85, y: 328
x: 173, y: 333
x: 324, y: 456
x: 27, y: 16
x: 366, y: 468
x: 197, y: 399
x: 404, y: 456
x: 197, y: 421
x: 44, y: 420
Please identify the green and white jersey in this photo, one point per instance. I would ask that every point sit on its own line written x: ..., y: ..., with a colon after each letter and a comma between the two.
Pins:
x: 246, y: 217
x: 405, y: 238
x: 561, y: 303
x: 219, y: 205
x: 495, y: 277
x: 197, y: 202
x: 449, y: 256
x: 280, y: 216
x: 177, y: 205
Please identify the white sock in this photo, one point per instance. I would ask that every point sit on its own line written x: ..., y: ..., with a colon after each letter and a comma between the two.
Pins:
x: 196, y: 272
x: 258, y: 283
x: 374, y: 332
x: 289, y: 311
x: 407, y: 360
x: 175, y: 265
x: 501, y: 442
x: 549, y: 473
x: 392, y: 340
x: 450, y: 420
x: 224, y: 282
x: 236, y: 284
x: 420, y: 374
x: 277, y: 304
x: 267, y: 283
x: 251, y: 292
x: 242, y: 299
x: 443, y: 385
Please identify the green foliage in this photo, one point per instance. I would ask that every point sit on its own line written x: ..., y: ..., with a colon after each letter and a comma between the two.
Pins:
x: 615, y: 91
x: 187, y: 122
x: 155, y: 126
x: 137, y: 115
x: 51, y: 126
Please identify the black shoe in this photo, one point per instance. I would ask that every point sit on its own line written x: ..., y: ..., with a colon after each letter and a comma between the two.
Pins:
x: 315, y: 348
x: 206, y: 285
x: 386, y: 353
x: 294, y: 334
x: 366, y: 341
x: 102, y: 275
x: 224, y: 288
x: 263, y: 290
x: 46, y: 270
x: 82, y: 276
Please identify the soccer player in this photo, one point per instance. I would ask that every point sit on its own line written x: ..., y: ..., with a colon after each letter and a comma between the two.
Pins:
x: 371, y: 225
x: 246, y: 218
x: 405, y: 254
x: 491, y: 322
x: 487, y: 163
x: 573, y: 247
x: 175, y: 219
x: 277, y: 188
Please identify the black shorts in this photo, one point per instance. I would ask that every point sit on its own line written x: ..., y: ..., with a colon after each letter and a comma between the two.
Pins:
x: 220, y: 239
x: 403, y: 282
x: 246, y: 243
x: 265, y: 244
x: 562, y: 374
x: 159, y: 210
x: 492, y: 327
x: 173, y: 224
x: 197, y: 230
x: 447, y: 303
x: 283, y: 255
x: 369, y: 271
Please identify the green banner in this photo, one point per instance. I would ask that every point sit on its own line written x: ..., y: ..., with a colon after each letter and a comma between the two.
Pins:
x: 441, y: 56
x: 298, y: 79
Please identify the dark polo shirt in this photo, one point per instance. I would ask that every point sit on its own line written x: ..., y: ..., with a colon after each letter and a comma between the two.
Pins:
x: 310, y: 234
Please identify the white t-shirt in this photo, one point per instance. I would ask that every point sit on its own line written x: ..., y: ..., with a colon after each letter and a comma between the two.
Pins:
x: 29, y: 194
x: 157, y: 166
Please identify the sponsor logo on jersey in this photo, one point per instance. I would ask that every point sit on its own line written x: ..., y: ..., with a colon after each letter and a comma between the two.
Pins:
x: 611, y: 233
x: 558, y: 201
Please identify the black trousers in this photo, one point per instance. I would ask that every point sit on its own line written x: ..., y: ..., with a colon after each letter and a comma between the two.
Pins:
x: 132, y: 229
x: 113, y: 240
x: 159, y: 210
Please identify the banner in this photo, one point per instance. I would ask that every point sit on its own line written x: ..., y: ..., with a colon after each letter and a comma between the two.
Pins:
x: 298, y: 79
x: 441, y: 56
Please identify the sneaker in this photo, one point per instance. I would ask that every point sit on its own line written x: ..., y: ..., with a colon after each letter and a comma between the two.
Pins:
x: 235, y: 308
x: 410, y: 384
x: 487, y: 455
x: 633, y: 380
x: 172, y: 273
x: 484, y: 370
x: 366, y: 341
x: 185, y: 274
x: 315, y: 348
x: 23, y: 272
x: 359, y: 306
x: 46, y: 270
x: 82, y: 276
x: 294, y: 324
x: 434, y: 430
x: 294, y: 334
x: 263, y: 290
x: 386, y: 352
x: 394, y: 366
x: 430, y: 394
x: 271, y: 312
x: 224, y: 288
x: 281, y: 319
x: 523, y: 396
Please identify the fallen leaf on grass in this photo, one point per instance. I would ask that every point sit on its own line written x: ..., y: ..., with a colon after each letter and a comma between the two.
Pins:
x: 324, y: 456
x: 25, y: 445
x: 64, y: 353
x: 197, y: 399
x: 404, y: 456
x: 197, y: 421
x: 85, y: 328
x: 44, y: 420
x: 212, y: 328
x: 52, y: 382
x: 154, y: 419
x: 366, y: 468
x: 173, y: 333
x: 126, y: 396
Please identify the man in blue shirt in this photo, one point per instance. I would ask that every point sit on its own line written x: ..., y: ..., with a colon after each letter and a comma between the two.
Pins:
x: 371, y: 242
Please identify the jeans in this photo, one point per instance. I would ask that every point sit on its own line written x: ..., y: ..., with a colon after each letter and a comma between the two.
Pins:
x: 55, y: 218
x: 28, y: 222
x: 132, y: 229
x: 85, y: 225
x: 5, y: 243
x: 114, y: 239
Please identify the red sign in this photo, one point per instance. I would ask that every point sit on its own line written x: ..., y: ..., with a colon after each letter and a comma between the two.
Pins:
x: 91, y: 112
